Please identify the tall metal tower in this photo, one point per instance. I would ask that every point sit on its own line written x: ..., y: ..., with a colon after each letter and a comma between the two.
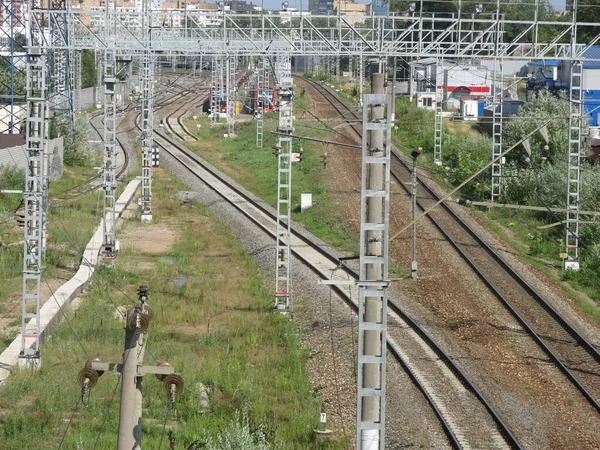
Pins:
x: 59, y: 74
x: 439, y: 120
x: 283, y: 282
x: 373, y: 267
x: 231, y: 87
x: 35, y: 192
x: 216, y: 90
x: 261, y: 84
x: 12, y: 37
x: 75, y: 75
x: 147, y: 136
x: 109, y: 169
x: 576, y: 116
x: 497, y: 102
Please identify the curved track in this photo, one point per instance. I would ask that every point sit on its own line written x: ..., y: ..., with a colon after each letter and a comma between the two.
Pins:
x: 578, y: 359
x: 468, y: 419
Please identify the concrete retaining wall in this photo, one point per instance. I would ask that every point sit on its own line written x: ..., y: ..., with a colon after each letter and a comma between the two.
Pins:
x: 52, y: 311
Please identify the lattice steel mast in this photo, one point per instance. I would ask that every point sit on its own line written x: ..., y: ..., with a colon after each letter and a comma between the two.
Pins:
x: 439, y: 119
x: 261, y: 77
x: 497, y: 109
x: 109, y: 169
x: 216, y: 85
x: 283, y: 282
x: 35, y: 192
x: 231, y: 87
x: 59, y: 75
x: 147, y: 137
x: 576, y: 117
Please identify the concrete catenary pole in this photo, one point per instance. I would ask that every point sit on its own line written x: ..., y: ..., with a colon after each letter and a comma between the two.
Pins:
x: 374, y: 272
x: 373, y: 267
x: 127, y: 437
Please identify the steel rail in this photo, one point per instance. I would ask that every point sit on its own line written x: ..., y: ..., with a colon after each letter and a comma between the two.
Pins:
x: 458, y: 373
x: 580, y: 340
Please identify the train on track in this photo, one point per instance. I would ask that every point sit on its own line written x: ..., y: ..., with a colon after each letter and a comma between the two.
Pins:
x: 263, y: 98
x: 220, y: 92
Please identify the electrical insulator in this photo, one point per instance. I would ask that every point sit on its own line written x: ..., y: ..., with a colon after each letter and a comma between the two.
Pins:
x: 282, y: 255
x: 143, y: 293
x: 324, y: 159
x: 301, y: 155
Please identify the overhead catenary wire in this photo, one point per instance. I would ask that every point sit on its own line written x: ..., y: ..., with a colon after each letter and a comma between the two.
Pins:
x: 448, y: 195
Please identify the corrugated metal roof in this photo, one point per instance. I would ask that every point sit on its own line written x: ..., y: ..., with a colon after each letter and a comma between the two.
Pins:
x: 548, y: 63
x: 592, y: 53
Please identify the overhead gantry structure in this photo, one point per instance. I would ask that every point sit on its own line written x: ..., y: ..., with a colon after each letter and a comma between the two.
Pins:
x: 148, y: 33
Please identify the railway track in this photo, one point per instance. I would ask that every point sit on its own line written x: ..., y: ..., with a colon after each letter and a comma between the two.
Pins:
x: 574, y: 355
x: 93, y: 183
x: 468, y: 420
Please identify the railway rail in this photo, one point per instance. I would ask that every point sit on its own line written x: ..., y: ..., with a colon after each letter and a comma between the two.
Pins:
x: 574, y: 355
x: 468, y: 420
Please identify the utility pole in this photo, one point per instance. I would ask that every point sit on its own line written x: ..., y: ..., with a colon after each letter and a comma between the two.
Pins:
x: 373, y: 267
x: 132, y: 373
x: 413, y: 268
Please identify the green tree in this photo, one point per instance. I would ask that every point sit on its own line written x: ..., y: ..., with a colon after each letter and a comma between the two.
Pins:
x: 88, y: 69
x: 587, y: 11
x: 542, y: 108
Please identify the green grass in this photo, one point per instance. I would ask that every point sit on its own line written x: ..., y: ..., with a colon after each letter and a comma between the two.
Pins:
x: 218, y: 330
x: 256, y: 170
x: 541, y: 249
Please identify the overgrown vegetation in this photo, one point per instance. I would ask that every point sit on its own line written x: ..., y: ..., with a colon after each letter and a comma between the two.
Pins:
x: 77, y: 150
x: 216, y: 329
x: 257, y: 170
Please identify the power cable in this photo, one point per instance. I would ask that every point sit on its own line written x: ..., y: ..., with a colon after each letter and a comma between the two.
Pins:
x: 167, y: 414
x: 107, y: 411
x: 75, y: 409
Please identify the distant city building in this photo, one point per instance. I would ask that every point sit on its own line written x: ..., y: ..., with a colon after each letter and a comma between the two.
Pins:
x: 381, y: 7
x: 555, y: 75
x: 320, y: 6
x: 352, y: 12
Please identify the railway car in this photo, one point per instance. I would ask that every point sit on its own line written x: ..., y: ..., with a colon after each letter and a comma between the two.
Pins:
x: 220, y: 91
x: 264, y: 99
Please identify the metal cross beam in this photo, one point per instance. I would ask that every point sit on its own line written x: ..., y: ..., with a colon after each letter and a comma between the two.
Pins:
x: 448, y: 35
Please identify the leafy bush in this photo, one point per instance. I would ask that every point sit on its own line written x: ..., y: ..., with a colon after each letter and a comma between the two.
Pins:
x: 77, y: 149
x: 543, y: 107
x: 238, y: 436
x: 11, y: 177
x: 464, y: 157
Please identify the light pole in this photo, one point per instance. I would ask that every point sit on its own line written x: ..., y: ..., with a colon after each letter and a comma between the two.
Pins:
x: 413, y: 268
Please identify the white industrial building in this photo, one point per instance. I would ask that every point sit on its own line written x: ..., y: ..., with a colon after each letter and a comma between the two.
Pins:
x: 448, y: 82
